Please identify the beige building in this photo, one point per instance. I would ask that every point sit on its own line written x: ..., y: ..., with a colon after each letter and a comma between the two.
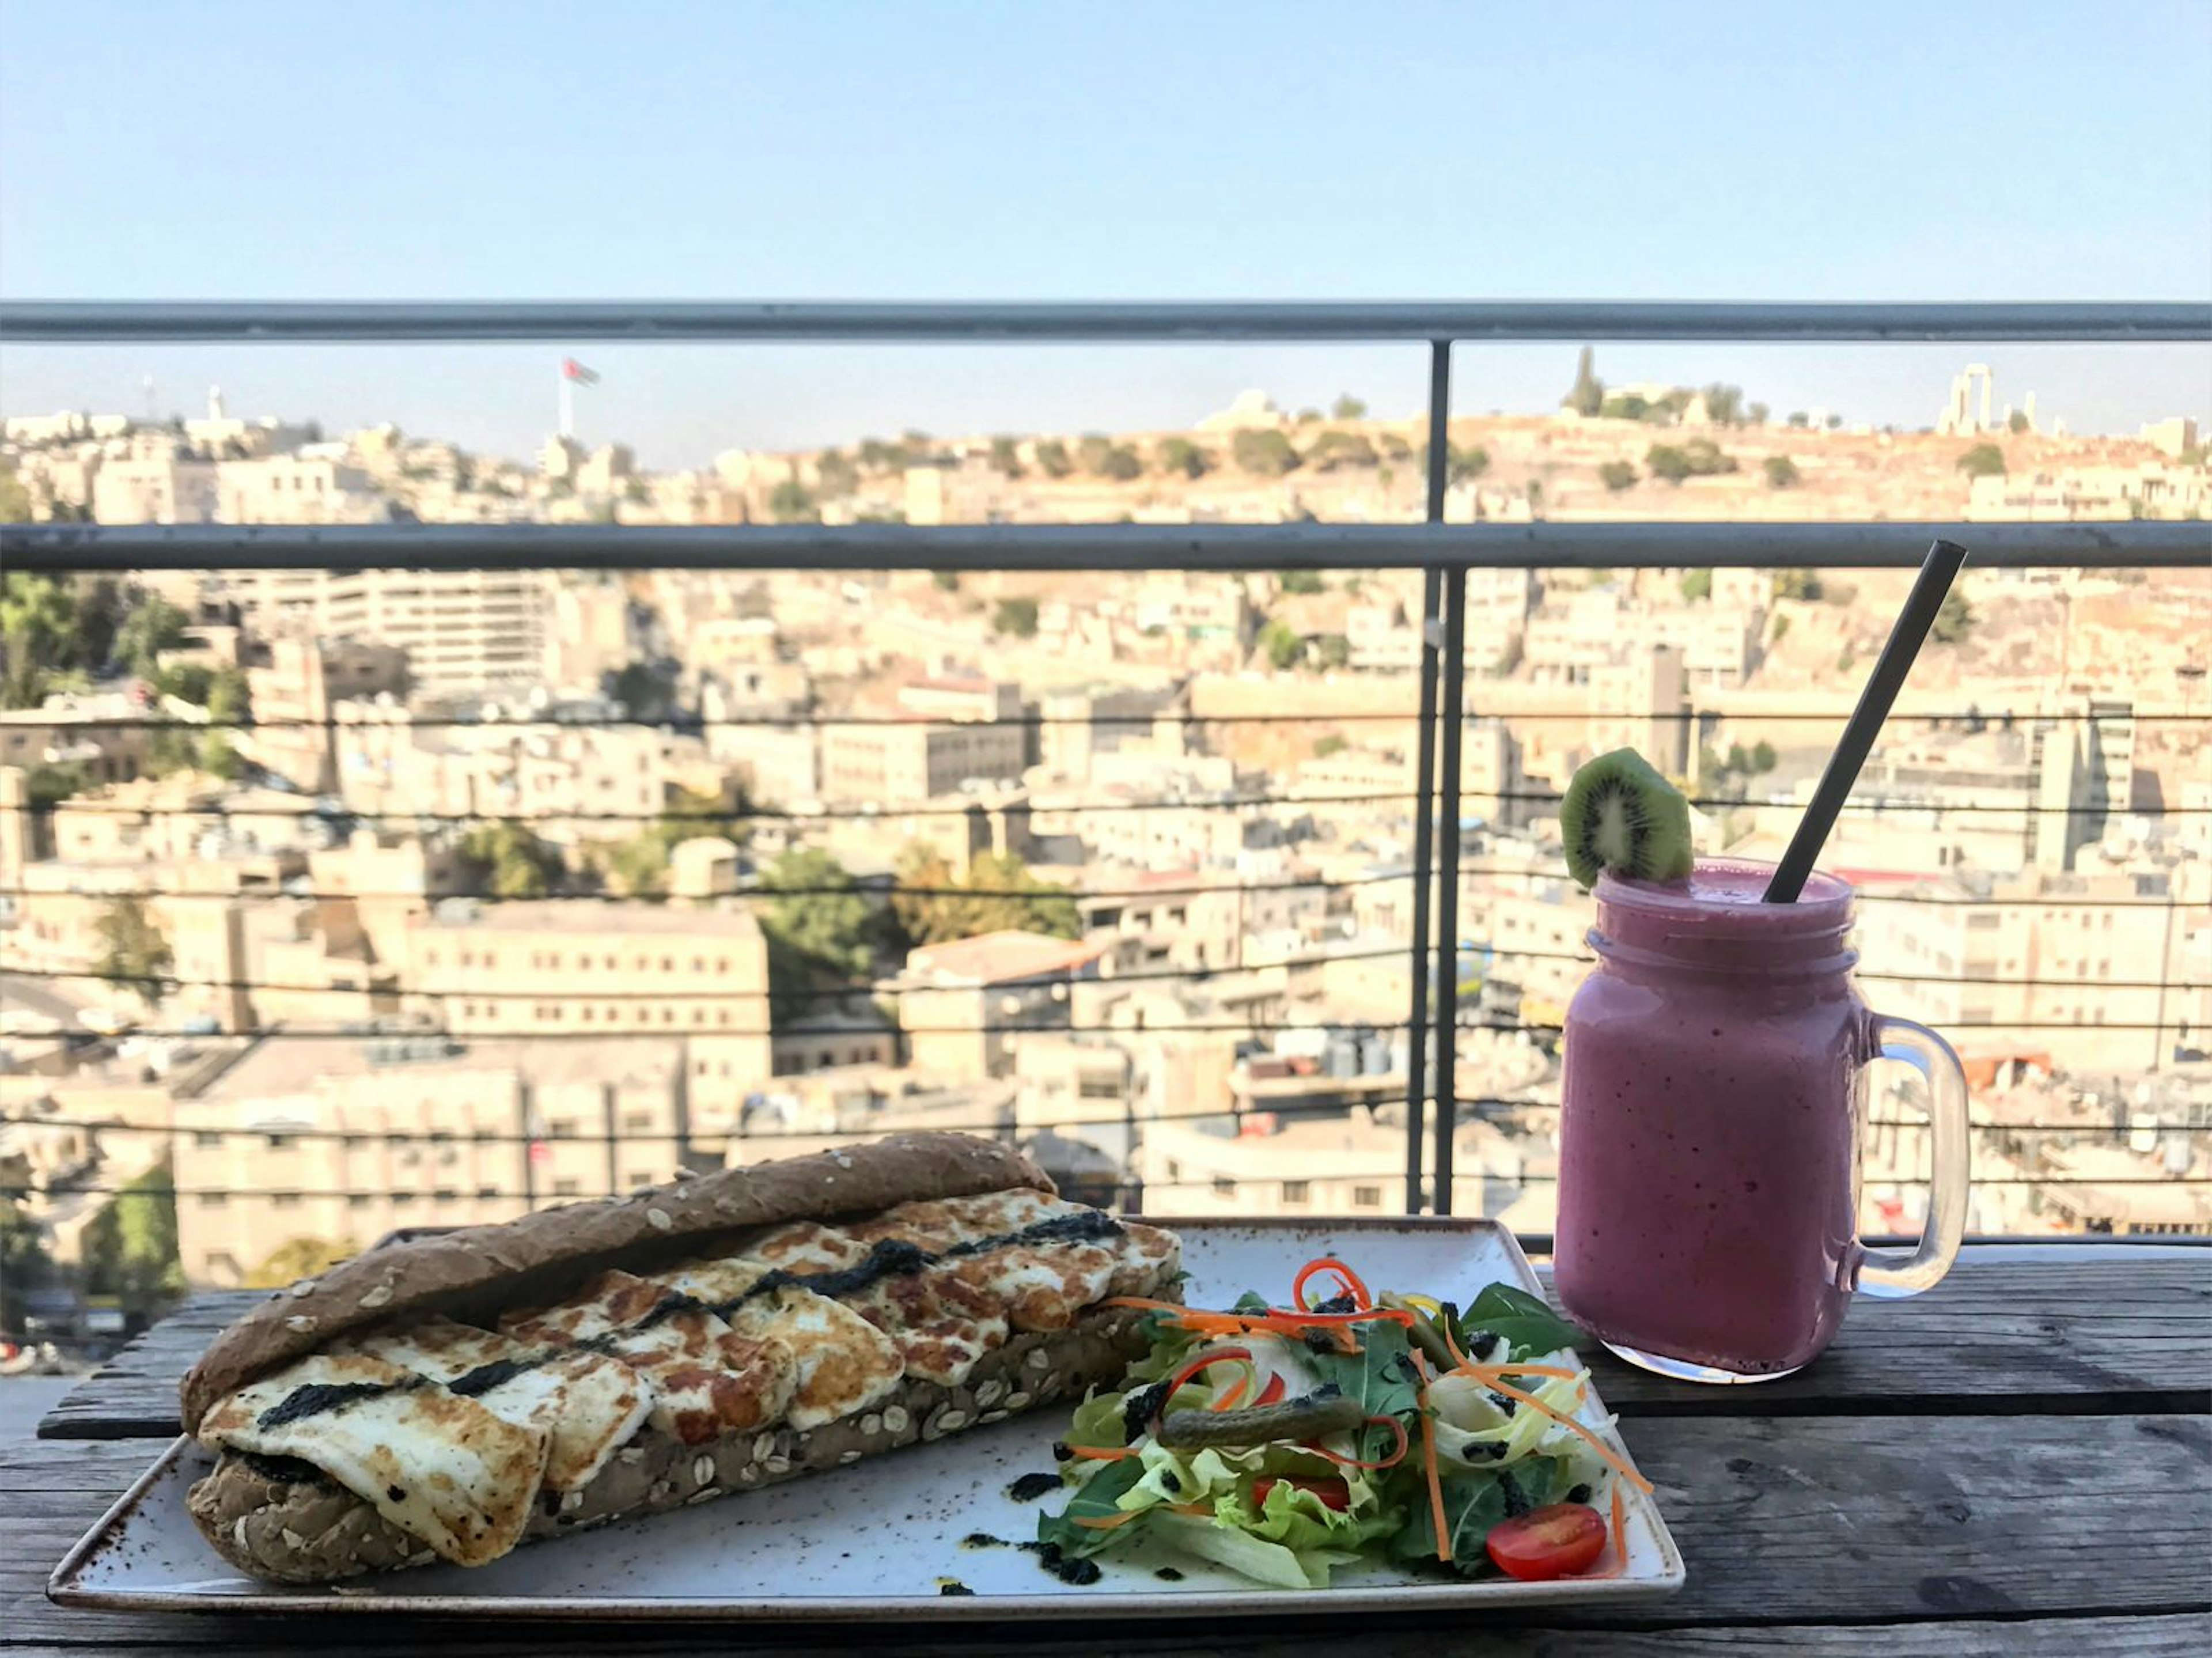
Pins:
x: 296, y: 489
x: 295, y: 696
x: 588, y: 968
x: 914, y: 759
x: 343, y: 1141
x: 156, y: 486
x: 463, y: 630
x: 965, y: 1005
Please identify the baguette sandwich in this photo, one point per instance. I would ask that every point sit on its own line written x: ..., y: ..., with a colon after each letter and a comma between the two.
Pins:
x: 450, y: 1399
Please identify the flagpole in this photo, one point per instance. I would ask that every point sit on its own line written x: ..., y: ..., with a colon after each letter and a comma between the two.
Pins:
x: 568, y: 400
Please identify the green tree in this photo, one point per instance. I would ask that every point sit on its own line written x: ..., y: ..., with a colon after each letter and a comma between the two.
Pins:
x: 1465, y: 465
x: 1758, y: 413
x: 1090, y: 452
x: 1333, y: 449
x: 640, y: 864
x: 1954, y: 619
x: 792, y: 502
x: 1618, y: 475
x: 1181, y: 455
x: 1780, y: 472
x: 1052, y: 457
x: 299, y: 1258
x: 945, y: 581
x: 38, y: 638
x: 134, y: 952
x: 1121, y: 464
x: 1834, y: 422
x: 1263, y: 452
x: 1000, y: 894
x: 835, y: 473
x: 26, y: 1263
x: 1006, y: 457
x: 878, y: 455
x: 1802, y: 585
x: 1665, y: 460
x: 645, y: 691
x: 131, y: 1246
x: 1016, y: 618
x: 1628, y: 405
x: 1799, y: 417
x: 1762, y: 756
x: 1724, y: 404
x: 509, y: 861
x: 1696, y: 584
x: 1347, y: 407
x: 49, y: 783
x: 1282, y: 646
x: 1331, y: 651
x: 820, y: 928
x: 15, y: 499
x: 1982, y: 460
x: 1331, y: 743
x: 151, y: 626
x: 1301, y: 583
x: 2016, y: 422
x: 1587, y: 395
x: 1393, y: 446
x: 921, y: 889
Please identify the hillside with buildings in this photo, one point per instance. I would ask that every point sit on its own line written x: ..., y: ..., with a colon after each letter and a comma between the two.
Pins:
x: 338, y: 901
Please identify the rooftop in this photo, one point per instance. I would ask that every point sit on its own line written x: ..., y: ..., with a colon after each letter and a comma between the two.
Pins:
x: 997, y: 958
x: 279, y: 1066
x: 599, y: 916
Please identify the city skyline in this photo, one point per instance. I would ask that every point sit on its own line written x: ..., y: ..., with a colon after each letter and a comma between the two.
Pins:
x: 788, y: 155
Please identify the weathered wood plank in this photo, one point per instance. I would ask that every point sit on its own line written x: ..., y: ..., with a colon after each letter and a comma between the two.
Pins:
x: 2182, y: 1636
x: 1794, y: 1520
x: 1995, y: 1336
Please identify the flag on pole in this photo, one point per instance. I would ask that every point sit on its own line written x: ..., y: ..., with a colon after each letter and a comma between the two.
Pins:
x: 573, y: 370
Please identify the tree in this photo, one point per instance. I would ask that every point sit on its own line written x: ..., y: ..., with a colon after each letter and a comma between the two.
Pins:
x: 15, y: 499
x: 1696, y: 584
x: 1759, y: 412
x: 1016, y: 618
x: 1347, y: 407
x: 299, y: 1258
x: 1587, y: 395
x: 1006, y: 457
x: 1617, y: 475
x: 1333, y: 449
x: 228, y: 700
x: 38, y: 637
x: 1301, y: 583
x: 26, y: 1263
x: 49, y: 783
x: 1799, y: 417
x: 1465, y: 465
x: 1121, y: 464
x: 1724, y: 404
x: 820, y: 928
x: 1665, y: 461
x: 508, y: 861
x: 1780, y: 472
x: 1834, y: 421
x: 1762, y: 756
x: 1393, y: 447
x: 1698, y: 458
x: 148, y: 627
x: 1954, y: 619
x: 134, y: 951
x: 1181, y: 455
x: 131, y: 1246
x: 878, y: 455
x: 1263, y: 452
x: 640, y: 864
x: 921, y: 889
x: 2016, y: 422
x: 835, y: 473
x: 645, y: 690
x: 1803, y: 585
x: 792, y: 502
x: 1982, y: 460
x: 1331, y: 651
x: 1052, y: 457
x: 1282, y: 645
x: 1331, y: 743
x: 1091, y: 452
x: 945, y: 581
x: 1000, y: 894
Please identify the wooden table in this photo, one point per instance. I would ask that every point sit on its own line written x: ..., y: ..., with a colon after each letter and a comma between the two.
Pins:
x: 2019, y: 1463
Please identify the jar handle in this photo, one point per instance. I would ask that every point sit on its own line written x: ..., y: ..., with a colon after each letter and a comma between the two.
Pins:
x: 1890, y: 1273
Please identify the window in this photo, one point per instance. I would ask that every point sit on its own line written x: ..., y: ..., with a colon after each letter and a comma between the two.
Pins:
x: 639, y: 1177
x: 1174, y: 1169
x: 1224, y: 1187
x: 566, y: 1187
x: 1296, y: 1191
x: 486, y: 1191
x: 357, y: 1199
x: 207, y: 1140
x: 284, y: 1200
x: 1367, y: 1197
x: 280, y: 1142
x: 402, y: 1200
x: 214, y: 1199
x: 641, y: 1121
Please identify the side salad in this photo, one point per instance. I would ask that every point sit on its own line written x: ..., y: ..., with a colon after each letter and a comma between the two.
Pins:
x: 1282, y: 1441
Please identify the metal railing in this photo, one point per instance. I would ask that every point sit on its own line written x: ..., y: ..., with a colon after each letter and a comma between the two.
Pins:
x: 1443, y: 553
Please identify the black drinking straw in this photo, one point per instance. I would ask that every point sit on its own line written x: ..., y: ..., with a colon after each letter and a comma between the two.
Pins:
x: 1936, y: 571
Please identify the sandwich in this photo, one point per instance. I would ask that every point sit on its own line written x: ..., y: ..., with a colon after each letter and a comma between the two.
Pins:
x: 450, y: 1399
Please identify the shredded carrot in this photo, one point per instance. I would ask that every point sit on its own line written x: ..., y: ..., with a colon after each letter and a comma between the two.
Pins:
x: 1344, y: 1276
x: 1102, y: 1453
x: 1391, y: 1460
x: 1451, y: 1342
x: 1428, y: 1462
x: 1620, y: 1544
x: 1490, y: 1378
x: 1108, y: 1521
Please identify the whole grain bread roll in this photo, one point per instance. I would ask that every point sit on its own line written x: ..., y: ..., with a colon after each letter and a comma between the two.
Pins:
x: 481, y: 1271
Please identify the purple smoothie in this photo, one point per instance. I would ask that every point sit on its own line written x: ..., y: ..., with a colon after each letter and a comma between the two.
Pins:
x: 1708, y: 1157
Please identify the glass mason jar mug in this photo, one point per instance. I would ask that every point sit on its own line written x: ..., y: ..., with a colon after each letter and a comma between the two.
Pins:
x: 1713, y: 1094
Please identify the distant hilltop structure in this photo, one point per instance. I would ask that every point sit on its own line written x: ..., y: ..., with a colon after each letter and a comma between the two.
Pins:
x: 1251, y: 408
x: 1960, y: 419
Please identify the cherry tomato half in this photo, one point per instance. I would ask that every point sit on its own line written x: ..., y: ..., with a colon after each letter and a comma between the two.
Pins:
x: 1334, y: 1493
x: 1551, y: 1542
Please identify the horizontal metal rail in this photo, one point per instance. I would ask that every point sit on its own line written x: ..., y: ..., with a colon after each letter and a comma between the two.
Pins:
x: 1120, y: 548
x: 1167, y: 322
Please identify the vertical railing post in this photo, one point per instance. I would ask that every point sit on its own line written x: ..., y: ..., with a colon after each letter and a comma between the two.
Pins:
x: 1424, y: 784
x: 1453, y: 671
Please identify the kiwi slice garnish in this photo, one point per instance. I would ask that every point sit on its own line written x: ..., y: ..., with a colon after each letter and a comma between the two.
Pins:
x: 1620, y: 814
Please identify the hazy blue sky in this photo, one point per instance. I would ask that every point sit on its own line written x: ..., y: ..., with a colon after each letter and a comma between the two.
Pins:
x: 479, y: 148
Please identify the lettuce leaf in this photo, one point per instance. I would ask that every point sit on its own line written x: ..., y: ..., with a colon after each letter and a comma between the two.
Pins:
x: 1099, y: 1497
x: 1472, y: 1506
x: 1530, y: 1326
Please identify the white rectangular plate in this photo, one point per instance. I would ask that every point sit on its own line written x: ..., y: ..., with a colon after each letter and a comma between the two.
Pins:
x: 882, y: 1539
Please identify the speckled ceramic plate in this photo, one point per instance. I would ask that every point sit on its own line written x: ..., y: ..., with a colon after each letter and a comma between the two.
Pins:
x: 885, y: 1537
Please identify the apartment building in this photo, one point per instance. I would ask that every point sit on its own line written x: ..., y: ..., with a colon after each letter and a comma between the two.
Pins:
x: 295, y: 694
x: 913, y: 759
x: 156, y: 484
x: 590, y: 968
x: 295, y: 488
x: 463, y: 630
x: 343, y: 1141
x: 957, y: 1000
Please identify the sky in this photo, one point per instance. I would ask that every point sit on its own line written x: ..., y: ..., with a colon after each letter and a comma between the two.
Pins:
x: 831, y: 149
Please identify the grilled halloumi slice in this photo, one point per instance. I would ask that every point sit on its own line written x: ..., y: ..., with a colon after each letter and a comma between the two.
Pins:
x: 940, y: 1324
x: 589, y: 1403
x: 844, y: 1364
x: 1042, y: 1286
x: 439, y: 1466
x: 707, y: 1380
